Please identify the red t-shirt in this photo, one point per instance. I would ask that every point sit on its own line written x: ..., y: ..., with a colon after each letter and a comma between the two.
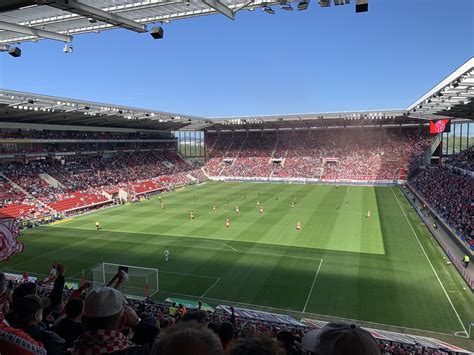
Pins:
x: 16, y: 341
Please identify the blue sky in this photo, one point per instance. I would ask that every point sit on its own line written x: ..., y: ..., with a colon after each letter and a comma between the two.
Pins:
x: 322, y: 59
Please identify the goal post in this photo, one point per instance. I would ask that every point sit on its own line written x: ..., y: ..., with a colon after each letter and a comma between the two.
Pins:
x: 142, y: 281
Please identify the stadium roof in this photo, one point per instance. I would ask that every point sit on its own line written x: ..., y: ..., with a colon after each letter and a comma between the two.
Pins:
x: 453, y: 97
x: 31, y: 20
x: 22, y: 107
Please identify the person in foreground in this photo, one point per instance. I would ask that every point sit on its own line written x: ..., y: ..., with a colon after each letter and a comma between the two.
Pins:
x: 340, y: 338
x: 107, y: 317
x: 14, y: 340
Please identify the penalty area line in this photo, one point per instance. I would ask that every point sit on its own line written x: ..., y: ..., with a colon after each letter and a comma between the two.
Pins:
x: 312, y: 286
x: 432, y: 267
x: 210, y: 288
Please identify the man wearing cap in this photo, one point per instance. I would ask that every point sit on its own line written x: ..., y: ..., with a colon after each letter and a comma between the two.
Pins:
x: 13, y: 340
x: 340, y: 338
x: 106, y: 312
x: 27, y: 316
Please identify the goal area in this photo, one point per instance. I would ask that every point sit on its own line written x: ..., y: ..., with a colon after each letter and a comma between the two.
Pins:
x: 142, y: 281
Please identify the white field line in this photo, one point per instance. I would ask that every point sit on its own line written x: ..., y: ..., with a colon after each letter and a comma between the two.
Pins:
x: 285, y: 310
x: 312, y: 286
x: 210, y: 288
x: 170, y: 242
x: 183, y: 274
x: 429, y: 261
x: 51, y: 252
x: 165, y: 242
x: 84, y: 270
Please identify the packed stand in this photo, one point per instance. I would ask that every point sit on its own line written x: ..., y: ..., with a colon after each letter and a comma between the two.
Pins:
x: 355, y: 154
x: 41, y: 142
x: 252, y: 158
x: 45, y: 319
x: 451, y: 194
x: 463, y: 160
x: 15, y: 203
x: 90, y: 181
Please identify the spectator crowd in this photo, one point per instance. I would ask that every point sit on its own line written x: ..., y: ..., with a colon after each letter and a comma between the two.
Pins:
x: 450, y: 192
x: 81, y: 181
x: 354, y: 154
x: 46, y: 319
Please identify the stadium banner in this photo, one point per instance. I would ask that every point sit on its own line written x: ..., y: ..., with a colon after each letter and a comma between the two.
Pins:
x: 190, y: 304
x: 368, y: 182
x: 440, y: 126
x: 262, y: 316
x: 61, y: 221
x: 9, y: 232
x: 71, y: 285
x: 19, y: 278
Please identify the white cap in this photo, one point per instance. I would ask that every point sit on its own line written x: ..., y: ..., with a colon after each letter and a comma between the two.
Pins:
x: 103, y: 302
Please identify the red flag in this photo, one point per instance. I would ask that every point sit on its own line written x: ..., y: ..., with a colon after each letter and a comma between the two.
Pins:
x: 438, y: 126
x: 9, y: 244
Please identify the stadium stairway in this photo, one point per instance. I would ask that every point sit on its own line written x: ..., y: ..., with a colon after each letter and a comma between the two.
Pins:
x: 51, y: 181
x: 15, y: 185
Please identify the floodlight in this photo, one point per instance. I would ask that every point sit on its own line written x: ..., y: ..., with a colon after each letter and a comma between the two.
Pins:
x: 269, y: 10
x: 324, y: 3
x: 303, y: 5
x: 68, y: 48
x: 157, y: 32
x: 14, y: 51
x: 362, y: 6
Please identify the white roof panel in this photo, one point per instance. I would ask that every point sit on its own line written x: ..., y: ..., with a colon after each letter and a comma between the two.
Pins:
x: 53, y: 19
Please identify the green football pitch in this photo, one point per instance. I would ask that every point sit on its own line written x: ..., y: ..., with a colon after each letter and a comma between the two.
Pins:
x: 386, y: 269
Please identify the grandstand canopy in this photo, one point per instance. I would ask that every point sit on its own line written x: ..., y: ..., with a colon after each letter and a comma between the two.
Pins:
x: 452, y: 97
x: 31, y: 20
x: 22, y: 107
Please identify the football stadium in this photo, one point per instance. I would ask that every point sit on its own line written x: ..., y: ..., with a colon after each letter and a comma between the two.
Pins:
x: 134, y: 230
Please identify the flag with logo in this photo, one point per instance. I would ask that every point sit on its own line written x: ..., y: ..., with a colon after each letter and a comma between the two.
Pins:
x: 9, y: 231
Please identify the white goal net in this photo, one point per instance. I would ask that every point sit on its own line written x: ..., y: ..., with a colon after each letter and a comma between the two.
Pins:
x: 142, y: 282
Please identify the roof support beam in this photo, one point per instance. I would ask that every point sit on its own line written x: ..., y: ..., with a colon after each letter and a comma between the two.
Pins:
x: 97, y: 14
x: 35, y: 32
x: 220, y: 7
